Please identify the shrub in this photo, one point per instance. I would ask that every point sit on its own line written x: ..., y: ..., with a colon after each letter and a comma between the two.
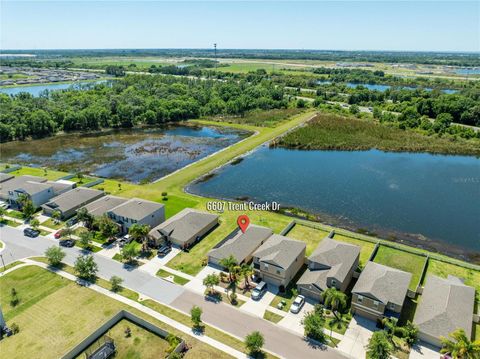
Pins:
x: 15, y: 328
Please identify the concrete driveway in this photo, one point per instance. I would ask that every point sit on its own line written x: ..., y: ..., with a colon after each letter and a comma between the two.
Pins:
x: 257, y: 307
x: 357, y: 336
x: 292, y: 321
x: 422, y: 350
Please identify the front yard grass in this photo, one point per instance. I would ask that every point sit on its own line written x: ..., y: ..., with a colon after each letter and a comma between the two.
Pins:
x: 9, y: 222
x: 8, y: 266
x: 55, y: 314
x: 177, y: 279
x: 271, y: 316
x: 309, y: 235
x: 442, y: 269
x: 338, y: 326
x: 402, y: 260
x: 289, y: 295
x: 40, y: 172
x: 50, y: 223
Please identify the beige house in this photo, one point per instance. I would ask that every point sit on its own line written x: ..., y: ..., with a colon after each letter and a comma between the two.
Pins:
x: 279, y: 259
x: 445, y: 305
x: 380, y: 291
x: 185, y: 228
x: 331, y: 265
x: 69, y: 202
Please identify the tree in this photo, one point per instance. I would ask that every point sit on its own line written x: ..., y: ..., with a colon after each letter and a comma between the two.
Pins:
x: 334, y: 299
x: 54, y: 255
x: 379, y: 346
x: 107, y: 227
x: 196, y: 316
x: 56, y: 215
x: 139, y: 233
x: 66, y: 233
x: 254, y: 342
x: 86, y: 239
x: 247, y: 272
x: 410, y: 333
x: 116, y: 283
x: 210, y: 281
x: 460, y: 346
x: 86, y: 218
x: 390, y: 325
x: 35, y: 223
x: 129, y: 252
x: 313, y: 323
x: 85, y: 267
x: 28, y: 209
x: 14, y: 300
x: 230, y: 263
x: 80, y: 176
x: 354, y: 110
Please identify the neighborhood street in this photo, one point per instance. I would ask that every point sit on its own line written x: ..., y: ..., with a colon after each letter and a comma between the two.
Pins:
x: 239, y: 323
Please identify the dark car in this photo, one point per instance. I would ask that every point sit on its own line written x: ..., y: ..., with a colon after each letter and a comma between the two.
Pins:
x: 30, y: 232
x: 164, y: 250
x: 67, y: 243
x: 72, y: 221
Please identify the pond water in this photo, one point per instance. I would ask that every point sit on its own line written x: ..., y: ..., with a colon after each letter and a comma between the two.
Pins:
x: 382, y: 88
x: 130, y: 154
x: 468, y: 71
x: 432, y: 196
x: 37, y: 90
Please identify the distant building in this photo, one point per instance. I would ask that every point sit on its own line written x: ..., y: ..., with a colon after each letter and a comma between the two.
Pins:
x: 445, y: 305
x: 69, y: 202
x: 12, y: 183
x: 380, y: 291
x: 279, y: 259
x: 185, y: 228
x: 38, y: 192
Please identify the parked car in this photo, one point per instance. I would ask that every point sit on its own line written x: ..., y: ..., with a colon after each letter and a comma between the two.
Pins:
x: 164, y: 250
x: 30, y: 232
x: 259, y: 291
x: 124, y: 240
x: 58, y: 234
x: 4, y: 205
x: 67, y: 243
x: 297, y: 304
x: 72, y: 221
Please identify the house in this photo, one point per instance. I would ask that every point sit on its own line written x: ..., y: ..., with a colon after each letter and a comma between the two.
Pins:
x: 331, y: 265
x: 185, y: 228
x: 279, y: 259
x: 240, y: 245
x: 380, y: 291
x: 104, y: 204
x: 69, y: 202
x: 38, y: 192
x: 137, y: 211
x: 62, y: 186
x: 446, y: 304
x: 11, y: 184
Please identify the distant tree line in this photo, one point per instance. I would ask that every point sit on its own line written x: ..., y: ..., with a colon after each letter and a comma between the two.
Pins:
x: 132, y: 100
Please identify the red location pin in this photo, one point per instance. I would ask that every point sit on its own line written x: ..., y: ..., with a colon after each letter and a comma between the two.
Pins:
x: 243, y: 221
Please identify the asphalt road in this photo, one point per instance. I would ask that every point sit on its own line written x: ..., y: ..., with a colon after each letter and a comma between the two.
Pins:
x: 277, y: 339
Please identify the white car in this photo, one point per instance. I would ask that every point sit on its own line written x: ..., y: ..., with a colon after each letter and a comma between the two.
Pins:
x: 297, y: 304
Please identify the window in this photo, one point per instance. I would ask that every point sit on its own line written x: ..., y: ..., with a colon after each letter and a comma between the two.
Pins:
x: 375, y: 303
x: 278, y: 271
x: 334, y: 282
x: 265, y: 266
x: 360, y: 299
x: 391, y: 306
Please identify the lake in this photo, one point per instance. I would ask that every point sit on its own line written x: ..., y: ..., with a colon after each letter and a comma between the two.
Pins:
x: 426, y: 195
x: 37, y: 90
x: 383, y: 88
x: 135, y: 155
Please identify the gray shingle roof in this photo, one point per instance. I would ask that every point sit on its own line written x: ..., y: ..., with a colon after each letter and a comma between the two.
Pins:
x: 31, y: 188
x: 445, y: 305
x: 16, y: 183
x: 5, y: 177
x: 103, y: 205
x: 336, y: 259
x: 73, y: 198
x: 243, y: 244
x: 280, y: 251
x: 136, y: 208
x: 388, y: 285
x: 184, y: 225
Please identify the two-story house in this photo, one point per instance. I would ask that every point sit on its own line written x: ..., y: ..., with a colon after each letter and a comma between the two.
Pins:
x: 139, y: 211
x: 380, y: 291
x: 331, y: 265
x: 279, y: 259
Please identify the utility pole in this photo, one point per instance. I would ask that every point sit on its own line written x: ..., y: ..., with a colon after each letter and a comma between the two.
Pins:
x: 215, y: 50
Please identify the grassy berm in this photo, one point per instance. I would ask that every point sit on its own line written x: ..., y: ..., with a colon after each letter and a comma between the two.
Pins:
x: 334, y: 132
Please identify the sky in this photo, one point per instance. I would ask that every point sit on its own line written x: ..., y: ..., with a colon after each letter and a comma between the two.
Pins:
x: 321, y: 25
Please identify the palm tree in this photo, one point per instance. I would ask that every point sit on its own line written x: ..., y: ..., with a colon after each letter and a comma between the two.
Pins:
x: 56, y: 215
x: 230, y: 263
x: 461, y: 347
x: 334, y: 299
x: 390, y: 325
x: 139, y: 233
x: 247, y: 272
x: 85, y: 217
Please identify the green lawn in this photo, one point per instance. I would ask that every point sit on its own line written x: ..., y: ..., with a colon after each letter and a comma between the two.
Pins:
x: 10, y: 223
x: 55, y: 314
x: 311, y: 236
x: 40, y: 172
x: 177, y: 279
x: 442, y: 269
x: 50, y: 223
x: 476, y: 331
x: 15, y: 214
x: 289, y: 295
x: 271, y: 316
x: 92, y: 247
x: 402, y: 260
x: 8, y: 266
x: 140, y: 344
x: 338, y: 326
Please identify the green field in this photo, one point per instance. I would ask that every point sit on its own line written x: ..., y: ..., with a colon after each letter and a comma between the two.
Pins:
x: 272, y: 317
x: 177, y: 279
x: 269, y: 118
x: 34, y: 171
x: 402, y: 260
x: 55, y: 314
x: 311, y: 236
